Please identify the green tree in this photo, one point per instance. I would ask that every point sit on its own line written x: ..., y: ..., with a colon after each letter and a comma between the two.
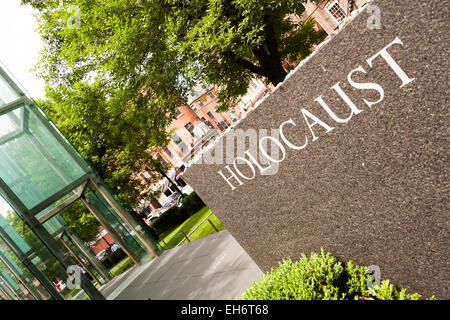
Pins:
x: 117, y: 70
x: 81, y: 221
x: 227, y: 42
x: 157, y: 49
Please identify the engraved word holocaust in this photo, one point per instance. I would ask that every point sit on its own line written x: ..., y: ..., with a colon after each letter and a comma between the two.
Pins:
x: 245, y: 167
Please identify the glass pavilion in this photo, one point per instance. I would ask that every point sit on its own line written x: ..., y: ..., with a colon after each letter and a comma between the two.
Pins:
x: 41, y: 175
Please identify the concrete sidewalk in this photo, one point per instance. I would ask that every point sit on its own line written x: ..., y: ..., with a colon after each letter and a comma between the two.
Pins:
x: 214, y: 267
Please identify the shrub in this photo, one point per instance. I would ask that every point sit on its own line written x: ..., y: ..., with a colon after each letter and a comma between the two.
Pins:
x: 177, y: 215
x: 114, y: 258
x: 192, y: 203
x: 321, y: 277
x: 172, y: 217
x: 123, y: 266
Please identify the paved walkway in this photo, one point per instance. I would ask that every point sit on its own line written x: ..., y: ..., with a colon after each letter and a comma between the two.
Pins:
x: 214, y: 267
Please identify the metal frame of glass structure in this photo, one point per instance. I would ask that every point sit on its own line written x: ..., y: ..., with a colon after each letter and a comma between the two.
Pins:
x: 42, y: 174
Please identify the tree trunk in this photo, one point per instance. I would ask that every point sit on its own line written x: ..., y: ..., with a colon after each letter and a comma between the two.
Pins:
x: 275, y: 73
x: 270, y: 61
x: 271, y: 65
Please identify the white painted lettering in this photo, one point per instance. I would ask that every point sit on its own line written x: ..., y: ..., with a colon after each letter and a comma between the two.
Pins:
x: 233, y: 175
x: 392, y: 63
x: 308, y: 114
x: 366, y: 86
x: 345, y: 97
x: 286, y: 141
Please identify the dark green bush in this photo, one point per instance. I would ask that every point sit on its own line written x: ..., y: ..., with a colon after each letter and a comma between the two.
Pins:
x: 177, y: 215
x: 171, y: 218
x: 321, y: 277
x: 192, y: 203
x: 114, y: 258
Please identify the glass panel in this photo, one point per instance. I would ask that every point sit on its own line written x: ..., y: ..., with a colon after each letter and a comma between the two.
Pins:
x: 22, y: 235
x: 11, y: 124
x: 124, y: 231
x: 7, y: 278
x: 9, y: 230
x: 82, y: 256
x: 54, y: 204
x: 6, y: 292
x: 7, y: 256
x: 137, y: 224
x: 7, y: 94
x: 14, y: 283
x: 13, y: 226
x: 53, y: 226
x: 33, y: 163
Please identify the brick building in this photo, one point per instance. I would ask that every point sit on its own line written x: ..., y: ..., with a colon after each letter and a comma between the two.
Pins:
x: 195, y: 122
x: 102, y: 242
x: 199, y: 121
x: 195, y: 126
x: 331, y: 15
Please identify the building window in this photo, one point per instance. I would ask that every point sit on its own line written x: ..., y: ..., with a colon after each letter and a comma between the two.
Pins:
x: 178, y: 112
x: 211, y: 116
x: 167, y: 151
x: 144, y: 178
x: 190, y: 127
x: 211, y: 95
x: 179, y: 142
x: 163, y: 161
x: 193, y: 108
x: 200, y: 103
x: 176, y: 138
x: 207, y: 123
x: 181, y: 182
x: 336, y: 11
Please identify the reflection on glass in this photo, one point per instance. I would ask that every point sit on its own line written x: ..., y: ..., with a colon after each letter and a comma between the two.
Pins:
x: 32, y: 162
x: 7, y: 94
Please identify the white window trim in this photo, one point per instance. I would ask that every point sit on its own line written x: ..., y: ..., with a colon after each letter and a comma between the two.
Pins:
x: 328, y: 7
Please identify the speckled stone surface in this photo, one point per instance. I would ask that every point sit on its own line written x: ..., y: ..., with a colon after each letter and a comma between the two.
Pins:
x: 373, y: 190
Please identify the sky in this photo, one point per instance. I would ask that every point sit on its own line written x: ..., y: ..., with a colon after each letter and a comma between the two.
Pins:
x: 19, y: 50
x: 4, y: 207
x: 20, y: 44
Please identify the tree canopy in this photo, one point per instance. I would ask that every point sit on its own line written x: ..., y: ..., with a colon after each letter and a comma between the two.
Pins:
x: 117, y: 70
x: 158, y: 49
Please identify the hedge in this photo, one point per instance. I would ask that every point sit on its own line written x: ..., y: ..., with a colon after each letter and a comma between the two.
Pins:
x: 192, y: 203
x: 321, y: 277
x: 177, y: 215
x: 114, y: 258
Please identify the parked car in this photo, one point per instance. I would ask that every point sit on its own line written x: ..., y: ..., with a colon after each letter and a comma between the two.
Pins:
x: 174, y: 199
x: 169, y: 203
x: 101, y: 255
x: 153, y: 216
x: 60, y: 285
x: 154, y: 213
x: 114, y: 247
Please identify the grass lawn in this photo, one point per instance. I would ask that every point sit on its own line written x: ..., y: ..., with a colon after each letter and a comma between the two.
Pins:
x: 125, y: 264
x: 174, y: 236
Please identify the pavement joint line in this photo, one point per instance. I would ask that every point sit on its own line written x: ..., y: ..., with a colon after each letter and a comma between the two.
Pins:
x: 171, y: 277
x: 129, y: 280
